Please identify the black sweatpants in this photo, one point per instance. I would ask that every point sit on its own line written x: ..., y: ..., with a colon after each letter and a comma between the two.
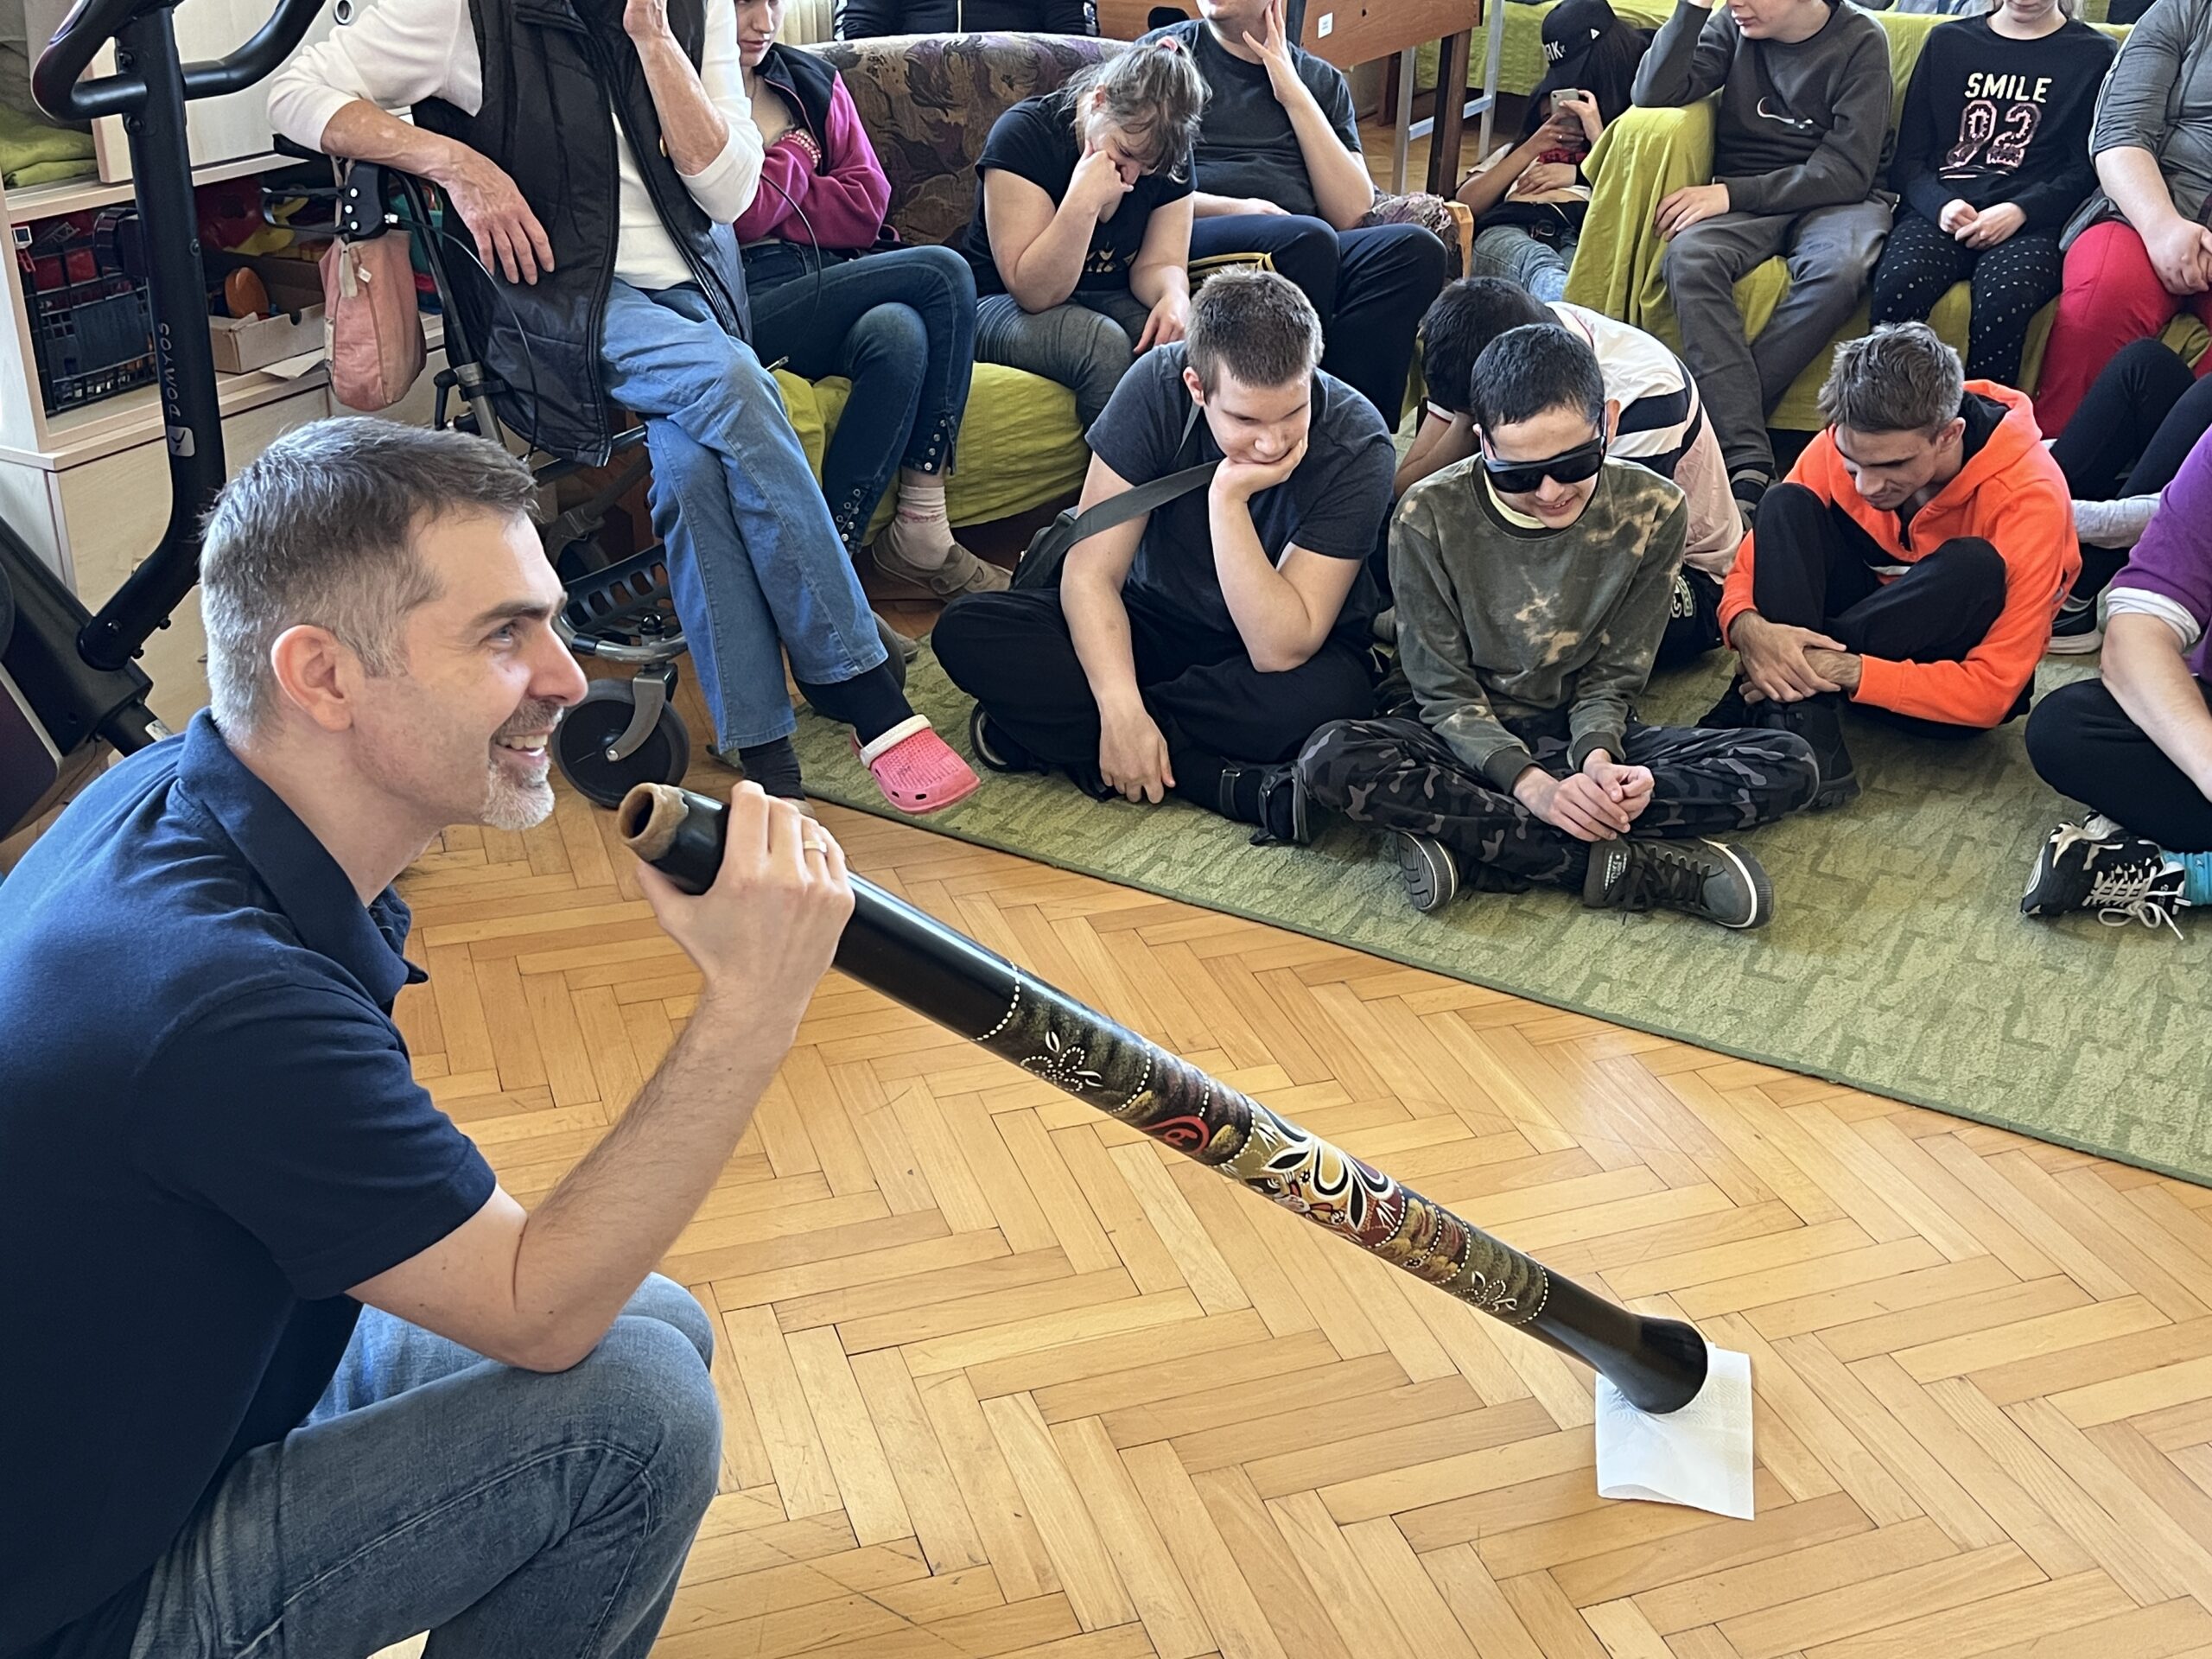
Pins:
x: 2011, y: 282
x: 2142, y: 417
x: 1693, y: 619
x: 1371, y: 286
x: 1396, y: 773
x: 1013, y: 654
x: 1815, y: 568
x: 2084, y: 745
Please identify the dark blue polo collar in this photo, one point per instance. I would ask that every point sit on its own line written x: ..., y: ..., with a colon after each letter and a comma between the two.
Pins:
x: 304, y: 879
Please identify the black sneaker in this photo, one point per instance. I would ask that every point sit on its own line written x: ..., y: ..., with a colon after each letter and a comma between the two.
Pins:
x: 1734, y: 714
x: 1286, y: 809
x: 2075, y: 631
x: 2101, y: 867
x: 1722, y: 884
x: 1818, y: 721
x: 995, y: 750
x: 1430, y: 872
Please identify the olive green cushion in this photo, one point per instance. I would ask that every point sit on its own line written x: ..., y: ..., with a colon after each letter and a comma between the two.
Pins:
x: 1020, y: 445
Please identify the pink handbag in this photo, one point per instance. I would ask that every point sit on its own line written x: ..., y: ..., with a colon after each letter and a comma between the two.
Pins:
x: 371, y: 328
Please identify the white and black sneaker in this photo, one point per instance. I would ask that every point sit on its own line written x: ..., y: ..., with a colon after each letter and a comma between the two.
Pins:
x: 1720, y: 883
x: 1429, y: 869
x: 995, y: 750
x: 2075, y: 631
x: 2099, y: 867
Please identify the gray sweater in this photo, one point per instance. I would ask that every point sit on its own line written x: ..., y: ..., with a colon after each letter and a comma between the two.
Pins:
x: 2158, y: 98
x: 1496, y: 621
x: 1800, y: 126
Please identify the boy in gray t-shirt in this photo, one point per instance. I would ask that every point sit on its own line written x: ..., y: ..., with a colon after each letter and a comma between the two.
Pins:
x: 1532, y: 582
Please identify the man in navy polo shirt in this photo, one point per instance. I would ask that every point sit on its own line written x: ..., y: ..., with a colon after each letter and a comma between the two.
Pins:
x: 288, y: 1371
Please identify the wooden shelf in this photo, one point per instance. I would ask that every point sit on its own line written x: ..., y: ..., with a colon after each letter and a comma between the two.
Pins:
x: 80, y: 195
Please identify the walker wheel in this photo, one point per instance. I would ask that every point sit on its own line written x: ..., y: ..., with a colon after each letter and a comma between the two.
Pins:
x: 581, y: 740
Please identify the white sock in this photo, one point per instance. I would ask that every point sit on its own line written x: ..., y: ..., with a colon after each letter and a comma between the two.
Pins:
x: 921, y: 534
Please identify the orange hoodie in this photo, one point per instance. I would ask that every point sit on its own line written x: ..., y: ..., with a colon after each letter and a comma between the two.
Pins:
x: 2011, y: 495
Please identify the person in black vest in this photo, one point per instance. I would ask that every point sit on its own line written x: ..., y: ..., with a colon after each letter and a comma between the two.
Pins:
x: 610, y: 277
x: 1279, y: 173
x: 861, y: 20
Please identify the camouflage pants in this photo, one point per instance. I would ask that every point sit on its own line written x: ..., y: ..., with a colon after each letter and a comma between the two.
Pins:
x: 1398, y: 774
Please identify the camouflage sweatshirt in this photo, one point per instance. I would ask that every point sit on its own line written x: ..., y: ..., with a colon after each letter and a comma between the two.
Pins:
x: 1497, y: 622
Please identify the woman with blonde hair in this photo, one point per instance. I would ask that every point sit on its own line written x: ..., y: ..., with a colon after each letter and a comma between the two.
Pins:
x: 1082, y: 232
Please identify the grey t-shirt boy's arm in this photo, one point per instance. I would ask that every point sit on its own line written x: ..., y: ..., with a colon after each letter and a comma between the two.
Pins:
x: 1849, y: 160
x: 1432, y: 651
x: 1688, y: 59
x: 1597, y: 717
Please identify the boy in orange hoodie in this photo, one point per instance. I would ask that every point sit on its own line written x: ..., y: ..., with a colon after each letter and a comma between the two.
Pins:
x: 1911, y: 563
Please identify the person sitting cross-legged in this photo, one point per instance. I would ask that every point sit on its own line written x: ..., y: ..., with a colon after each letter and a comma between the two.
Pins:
x: 1280, y: 175
x: 1799, y: 129
x: 1532, y: 582
x: 1661, y: 426
x: 1191, y: 651
x: 1910, y: 565
x: 2135, y: 745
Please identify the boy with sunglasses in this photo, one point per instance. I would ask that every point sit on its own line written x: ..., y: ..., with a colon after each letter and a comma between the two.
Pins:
x: 1533, y: 580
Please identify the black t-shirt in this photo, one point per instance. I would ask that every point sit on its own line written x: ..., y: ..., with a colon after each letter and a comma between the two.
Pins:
x: 1989, y: 120
x: 1334, y: 504
x: 1246, y: 146
x: 1035, y: 140
x: 210, y: 1129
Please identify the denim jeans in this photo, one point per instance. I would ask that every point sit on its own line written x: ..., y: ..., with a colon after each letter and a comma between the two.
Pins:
x: 514, y: 1515
x: 1087, y: 343
x: 753, y: 555
x: 1509, y: 251
x: 901, y: 325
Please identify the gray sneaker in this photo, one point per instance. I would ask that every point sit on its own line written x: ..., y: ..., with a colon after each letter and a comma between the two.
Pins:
x: 1429, y: 871
x: 1721, y: 883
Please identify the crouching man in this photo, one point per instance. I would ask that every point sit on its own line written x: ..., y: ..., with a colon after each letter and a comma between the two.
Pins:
x: 1533, y: 582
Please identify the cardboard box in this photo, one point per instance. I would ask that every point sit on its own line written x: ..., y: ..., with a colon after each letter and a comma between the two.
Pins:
x: 241, y: 345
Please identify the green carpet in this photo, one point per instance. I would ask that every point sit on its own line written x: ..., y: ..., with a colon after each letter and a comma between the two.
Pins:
x: 1897, y: 960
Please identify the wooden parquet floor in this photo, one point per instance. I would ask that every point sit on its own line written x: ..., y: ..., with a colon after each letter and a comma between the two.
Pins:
x: 1000, y: 1378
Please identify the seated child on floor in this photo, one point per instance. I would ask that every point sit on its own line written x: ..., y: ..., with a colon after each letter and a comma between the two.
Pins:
x: 1532, y: 583
x: 1661, y: 426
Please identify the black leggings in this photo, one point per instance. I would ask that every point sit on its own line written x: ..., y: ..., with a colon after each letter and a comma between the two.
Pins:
x: 2012, y: 281
x: 2131, y: 435
x: 2084, y: 745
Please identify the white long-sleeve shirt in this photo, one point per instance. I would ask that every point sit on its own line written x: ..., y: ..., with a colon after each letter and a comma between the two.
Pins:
x: 397, y: 53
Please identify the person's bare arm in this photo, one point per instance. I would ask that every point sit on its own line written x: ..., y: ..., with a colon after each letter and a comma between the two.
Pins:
x: 2180, y: 249
x: 1132, y: 753
x: 1486, y: 186
x: 509, y: 237
x: 1342, y: 187
x: 1161, y: 275
x: 1282, y: 614
x: 1206, y: 206
x: 2147, y: 675
x: 539, y: 1289
x: 1438, y: 444
x: 1038, y: 247
x: 695, y: 130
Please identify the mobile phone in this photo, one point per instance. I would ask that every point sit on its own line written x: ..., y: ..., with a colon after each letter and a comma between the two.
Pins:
x: 1561, y: 93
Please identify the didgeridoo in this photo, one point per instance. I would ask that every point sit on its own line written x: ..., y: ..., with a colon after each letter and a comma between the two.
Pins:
x: 936, y: 971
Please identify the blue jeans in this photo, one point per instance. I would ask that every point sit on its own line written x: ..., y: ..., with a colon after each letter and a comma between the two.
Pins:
x: 1086, y: 343
x: 901, y: 325
x: 753, y: 556
x: 1509, y: 251
x: 512, y: 1515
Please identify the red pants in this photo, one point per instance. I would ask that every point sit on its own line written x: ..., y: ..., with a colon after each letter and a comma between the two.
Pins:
x: 2113, y: 296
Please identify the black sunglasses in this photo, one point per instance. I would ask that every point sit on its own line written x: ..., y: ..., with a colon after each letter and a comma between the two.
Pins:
x: 1524, y: 477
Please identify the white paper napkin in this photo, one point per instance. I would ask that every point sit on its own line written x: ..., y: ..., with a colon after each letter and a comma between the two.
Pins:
x: 1699, y: 1456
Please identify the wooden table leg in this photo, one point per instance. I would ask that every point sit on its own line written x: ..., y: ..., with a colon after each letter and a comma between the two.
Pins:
x: 1451, y: 112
